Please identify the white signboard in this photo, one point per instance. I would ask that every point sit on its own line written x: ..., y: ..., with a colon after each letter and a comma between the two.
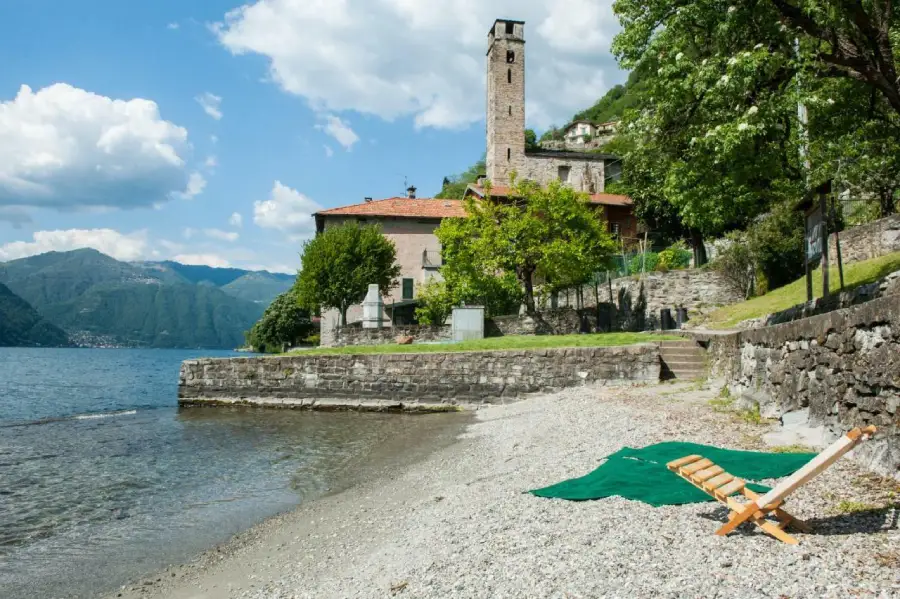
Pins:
x: 815, y: 238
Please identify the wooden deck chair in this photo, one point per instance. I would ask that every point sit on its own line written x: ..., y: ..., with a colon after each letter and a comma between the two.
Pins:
x: 712, y: 479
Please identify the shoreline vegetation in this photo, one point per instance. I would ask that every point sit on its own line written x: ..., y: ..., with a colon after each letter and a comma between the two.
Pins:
x: 456, y: 520
x: 512, y: 342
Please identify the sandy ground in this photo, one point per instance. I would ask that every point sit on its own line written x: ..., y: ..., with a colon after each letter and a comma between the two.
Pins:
x: 458, y: 523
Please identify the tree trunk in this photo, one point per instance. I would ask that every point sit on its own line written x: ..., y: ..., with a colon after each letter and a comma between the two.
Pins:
x: 699, y: 249
x: 528, y: 284
x: 343, y: 321
x: 887, y: 202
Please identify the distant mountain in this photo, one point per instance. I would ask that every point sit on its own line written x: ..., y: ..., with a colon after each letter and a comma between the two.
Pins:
x: 260, y: 287
x: 21, y: 325
x: 98, y: 300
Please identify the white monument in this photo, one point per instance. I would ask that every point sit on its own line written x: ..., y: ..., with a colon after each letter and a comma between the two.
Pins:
x: 372, y: 308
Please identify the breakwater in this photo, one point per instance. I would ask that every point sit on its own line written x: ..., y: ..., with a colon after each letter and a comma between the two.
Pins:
x: 409, y: 382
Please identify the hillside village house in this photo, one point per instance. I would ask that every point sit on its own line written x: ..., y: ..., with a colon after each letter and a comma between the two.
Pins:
x: 579, y: 132
x: 410, y: 222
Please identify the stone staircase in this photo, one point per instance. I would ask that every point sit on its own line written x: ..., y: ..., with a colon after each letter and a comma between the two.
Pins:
x: 684, y: 360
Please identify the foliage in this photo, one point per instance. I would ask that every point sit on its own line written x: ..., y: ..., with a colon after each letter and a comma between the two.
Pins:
x: 776, y: 245
x: 674, y: 257
x: 284, y: 323
x: 643, y: 262
x: 619, y: 99
x: 436, y: 302
x: 855, y: 274
x: 501, y: 343
x: 455, y: 187
x: 531, y: 142
x: 735, y: 264
x: 548, y: 232
x: 21, y: 325
x: 339, y: 264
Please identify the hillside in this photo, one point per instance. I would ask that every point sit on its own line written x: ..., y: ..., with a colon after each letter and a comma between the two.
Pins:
x: 98, y: 300
x: 259, y: 287
x: 21, y: 325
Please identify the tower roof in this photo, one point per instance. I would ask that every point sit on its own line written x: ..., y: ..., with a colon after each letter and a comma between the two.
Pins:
x: 494, y: 24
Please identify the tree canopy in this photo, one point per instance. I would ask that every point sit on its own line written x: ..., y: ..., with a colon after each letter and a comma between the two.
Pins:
x: 339, y: 264
x: 284, y: 323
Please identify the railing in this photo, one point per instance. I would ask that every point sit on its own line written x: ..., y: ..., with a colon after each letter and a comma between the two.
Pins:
x: 431, y: 259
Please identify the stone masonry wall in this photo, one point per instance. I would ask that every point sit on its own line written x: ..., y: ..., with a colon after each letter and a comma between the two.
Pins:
x: 844, y: 366
x: 867, y: 241
x: 585, y: 173
x: 356, y: 335
x: 409, y: 381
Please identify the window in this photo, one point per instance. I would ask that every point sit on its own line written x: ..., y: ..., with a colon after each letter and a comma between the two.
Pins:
x: 563, y: 173
x: 510, y: 56
x: 508, y: 154
x: 509, y: 75
x: 614, y: 229
x: 510, y: 111
x: 408, y: 285
x: 510, y: 28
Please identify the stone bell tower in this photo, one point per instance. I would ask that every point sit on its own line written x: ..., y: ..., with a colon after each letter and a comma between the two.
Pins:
x: 505, y: 100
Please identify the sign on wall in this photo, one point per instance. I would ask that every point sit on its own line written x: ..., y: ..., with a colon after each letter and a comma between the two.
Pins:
x: 815, y: 238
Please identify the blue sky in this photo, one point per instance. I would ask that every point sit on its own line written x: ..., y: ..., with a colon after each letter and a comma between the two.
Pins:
x: 208, y: 131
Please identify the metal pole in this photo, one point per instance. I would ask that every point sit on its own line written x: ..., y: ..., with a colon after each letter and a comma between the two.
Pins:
x: 809, y: 285
x: 824, y: 208
x: 837, y: 241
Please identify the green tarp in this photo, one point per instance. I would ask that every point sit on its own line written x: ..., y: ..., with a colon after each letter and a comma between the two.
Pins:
x: 641, y: 474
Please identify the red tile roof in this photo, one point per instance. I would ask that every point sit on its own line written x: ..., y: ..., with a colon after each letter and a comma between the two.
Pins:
x: 401, y: 208
x: 600, y: 199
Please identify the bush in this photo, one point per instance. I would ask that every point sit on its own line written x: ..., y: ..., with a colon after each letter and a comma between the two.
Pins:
x: 776, y: 246
x: 736, y: 264
x: 436, y: 302
x: 649, y: 261
x: 675, y: 257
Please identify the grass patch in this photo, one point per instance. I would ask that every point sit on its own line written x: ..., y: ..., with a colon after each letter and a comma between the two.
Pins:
x: 499, y: 343
x: 750, y: 416
x: 722, y: 403
x: 792, y: 449
x: 854, y: 507
x: 855, y: 274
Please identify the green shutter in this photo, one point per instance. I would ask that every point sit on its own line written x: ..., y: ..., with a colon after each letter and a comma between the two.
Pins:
x: 407, y: 289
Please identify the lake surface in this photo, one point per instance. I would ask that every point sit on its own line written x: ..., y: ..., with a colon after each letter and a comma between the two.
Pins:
x: 103, y: 478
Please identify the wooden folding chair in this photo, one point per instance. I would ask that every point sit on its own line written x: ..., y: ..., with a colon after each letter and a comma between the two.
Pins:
x: 712, y: 479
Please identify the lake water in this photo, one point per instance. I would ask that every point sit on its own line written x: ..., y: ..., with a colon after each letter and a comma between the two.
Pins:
x: 103, y: 478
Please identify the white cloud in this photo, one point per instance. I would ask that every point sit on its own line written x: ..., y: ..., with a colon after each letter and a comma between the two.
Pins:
x: 213, y: 260
x: 211, y: 162
x: 236, y: 220
x: 211, y: 104
x: 340, y: 130
x: 131, y: 246
x: 195, y: 186
x: 396, y: 58
x: 328, y: 151
x: 173, y: 26
x: 214, y: 139
x: 221, y: 235
x: 286, y: 210
x: 63, y: 147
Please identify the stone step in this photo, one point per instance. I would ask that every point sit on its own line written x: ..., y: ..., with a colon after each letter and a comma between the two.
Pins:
x: 679, y: 345
x: 677, y: 354
x: 685, y: 365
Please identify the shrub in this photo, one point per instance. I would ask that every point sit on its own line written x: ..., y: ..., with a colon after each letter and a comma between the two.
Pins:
x: 675, y: 257
x: 736, y: 265
x: 649, y: 261
x: 436, y: 302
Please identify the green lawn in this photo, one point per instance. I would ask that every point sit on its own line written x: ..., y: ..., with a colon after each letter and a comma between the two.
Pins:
x: 498, y: 343
x: 855, y: 274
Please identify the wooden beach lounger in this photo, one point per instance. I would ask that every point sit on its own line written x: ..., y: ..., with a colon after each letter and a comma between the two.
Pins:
x: 712, y: 479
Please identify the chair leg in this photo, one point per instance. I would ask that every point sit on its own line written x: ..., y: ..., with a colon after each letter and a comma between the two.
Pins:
x: 774, y: 530
x: 787, y: 519
x: 738, y: 518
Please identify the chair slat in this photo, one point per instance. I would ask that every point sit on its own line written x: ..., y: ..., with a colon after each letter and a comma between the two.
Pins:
x: 707, y: 473
x: 731, y: 488
x: 718, y: 481
x: 682, y: 461
x: 697, y: 466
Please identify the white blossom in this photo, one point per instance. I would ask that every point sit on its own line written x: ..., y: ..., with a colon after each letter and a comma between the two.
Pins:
x: 743, y: 127
x: 731, y: 9
x: 732, y: 60
x: 830, y: 102
x: 757, y: 46
x: 725, y: 79
x: 679, y: 56
x: 753, y: 110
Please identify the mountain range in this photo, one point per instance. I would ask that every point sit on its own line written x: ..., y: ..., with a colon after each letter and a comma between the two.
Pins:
x: 99, y: 301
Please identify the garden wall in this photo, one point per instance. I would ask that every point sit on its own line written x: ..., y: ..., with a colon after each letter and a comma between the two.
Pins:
x: 867, y: 241
x: 408, y: 381
x: 844, y: 366
x: 356, y: 335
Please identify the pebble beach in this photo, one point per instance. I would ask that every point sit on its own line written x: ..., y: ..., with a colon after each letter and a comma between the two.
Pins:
x: 460, y: 523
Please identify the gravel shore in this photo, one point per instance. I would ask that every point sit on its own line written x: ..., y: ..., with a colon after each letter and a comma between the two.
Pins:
x: 458, y: 523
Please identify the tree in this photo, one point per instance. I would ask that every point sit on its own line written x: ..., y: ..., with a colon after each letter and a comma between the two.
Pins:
x: 549, y: 234
x: 454, y: 188
x: 339, y: 264
x: 531, y: 142
x: 284, y: 322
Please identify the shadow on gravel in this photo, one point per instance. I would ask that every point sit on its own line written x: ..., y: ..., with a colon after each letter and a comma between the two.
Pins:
x: 859, y: 522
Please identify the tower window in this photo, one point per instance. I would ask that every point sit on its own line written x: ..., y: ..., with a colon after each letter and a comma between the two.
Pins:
x: 509, y: 75
x: 510, y: 28
x: 564, y: 173
x: 508, y: 154
x: 510, y: 56
x: 510, y: 111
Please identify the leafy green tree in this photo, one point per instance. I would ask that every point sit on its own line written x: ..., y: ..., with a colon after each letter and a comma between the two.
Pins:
x: 455, y: 187
x: 547, y: 233
x: 531, y: 142
x: 339, y: 264
x: 284, y: 323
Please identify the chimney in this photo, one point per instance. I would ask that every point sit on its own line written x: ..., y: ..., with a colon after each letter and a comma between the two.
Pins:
x: 411, y: 192
x: 367, y: 199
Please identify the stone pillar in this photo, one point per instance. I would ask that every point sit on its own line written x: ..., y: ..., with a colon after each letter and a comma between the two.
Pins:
x: 372, y: 308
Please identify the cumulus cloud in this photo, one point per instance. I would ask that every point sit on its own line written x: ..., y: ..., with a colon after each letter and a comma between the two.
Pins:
x: 211, y: 162
x: 236, y: 220
x: 221, y: 235
x: 173, y: 26
x: 396, y: 58
x: 340, y: 130
x: 213, y: 260
x: 121, y: 246
x: 286, y: 210
x: 195, y: 186
x: 211, y: 104
x: 63, y: 147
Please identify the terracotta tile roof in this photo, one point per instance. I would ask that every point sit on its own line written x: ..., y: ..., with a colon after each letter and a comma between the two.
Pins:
x: 401, y: 208
x: 600, y: 199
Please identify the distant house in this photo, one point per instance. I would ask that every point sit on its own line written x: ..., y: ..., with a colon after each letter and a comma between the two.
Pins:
x: 578, y: 133
x: 409, y: 222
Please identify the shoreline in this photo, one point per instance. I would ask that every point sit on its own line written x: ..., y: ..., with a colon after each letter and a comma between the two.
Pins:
x: 456, y: 521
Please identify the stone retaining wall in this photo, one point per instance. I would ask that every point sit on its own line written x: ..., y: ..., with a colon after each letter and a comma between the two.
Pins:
x: 409, y: 381
x: 844, y: 366
x: 871, y: 240
x: 356, y: 335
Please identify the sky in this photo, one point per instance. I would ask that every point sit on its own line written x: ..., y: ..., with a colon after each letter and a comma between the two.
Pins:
x: 210, y: 131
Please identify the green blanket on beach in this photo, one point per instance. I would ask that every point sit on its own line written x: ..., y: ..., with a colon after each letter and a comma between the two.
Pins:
x: 641, y: 474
